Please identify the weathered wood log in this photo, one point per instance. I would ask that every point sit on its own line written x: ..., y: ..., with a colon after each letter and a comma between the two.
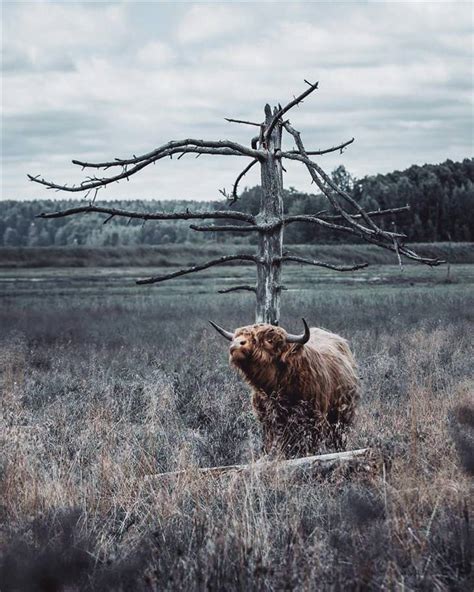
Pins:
x: 321, y: 461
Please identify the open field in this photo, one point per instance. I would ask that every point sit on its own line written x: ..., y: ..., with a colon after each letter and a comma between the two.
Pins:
x: 188, y: 254
x: 120, y: 281
x: 104, y: 382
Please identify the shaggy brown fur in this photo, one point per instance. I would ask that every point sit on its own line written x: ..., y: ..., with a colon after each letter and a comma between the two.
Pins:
x: 303, y: 395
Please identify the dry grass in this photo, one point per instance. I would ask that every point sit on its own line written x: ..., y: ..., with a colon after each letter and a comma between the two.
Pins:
x: 89, y: 409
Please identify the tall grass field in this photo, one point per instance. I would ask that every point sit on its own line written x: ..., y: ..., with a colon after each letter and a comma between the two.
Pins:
x: 104, y: 383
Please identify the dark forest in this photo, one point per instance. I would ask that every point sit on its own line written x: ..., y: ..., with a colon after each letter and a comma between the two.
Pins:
x: 440, y: 196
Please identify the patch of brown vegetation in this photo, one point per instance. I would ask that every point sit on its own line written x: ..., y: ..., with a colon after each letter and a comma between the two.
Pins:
x: 82, y: 424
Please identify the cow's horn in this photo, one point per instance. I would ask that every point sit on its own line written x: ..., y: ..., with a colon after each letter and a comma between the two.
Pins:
x: 299, y: 338
x: 227, y: 334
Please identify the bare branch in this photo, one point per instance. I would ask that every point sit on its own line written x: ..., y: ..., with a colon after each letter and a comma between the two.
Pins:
x: 224, y: 193
x: 373, y: 213
x: 323, y: 264
x: 231, y: 120
x: 320, y: 222
x: 172, y: 145
x: 279, y: 114
x: 321, y: 217
x: 403, y: 250
x: 232, y: 228
x: 244, y: 288
x: 94, y: 182
x: 313, y: 168
x: 235, y: 197
x: 194, y: 268
x: 318, y: 218
x: 363, y: 214
x: 319, y: 152
x: 397, y: 251
x: 187, y: 215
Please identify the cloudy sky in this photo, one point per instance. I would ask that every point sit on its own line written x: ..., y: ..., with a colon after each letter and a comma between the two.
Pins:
x: 99, y: 80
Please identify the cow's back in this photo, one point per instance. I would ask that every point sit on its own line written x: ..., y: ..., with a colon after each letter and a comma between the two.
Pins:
x: 335, y: 356
x: 326, y: 342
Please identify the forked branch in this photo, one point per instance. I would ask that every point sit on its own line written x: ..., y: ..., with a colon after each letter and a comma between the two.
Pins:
x: 195, y: 268
x: 130, y: 166
x: 313, y: 168
x: 408, y: 253
x: 370, y: 233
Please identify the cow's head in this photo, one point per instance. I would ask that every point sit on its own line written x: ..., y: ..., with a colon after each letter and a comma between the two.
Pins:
x: 261, y: 343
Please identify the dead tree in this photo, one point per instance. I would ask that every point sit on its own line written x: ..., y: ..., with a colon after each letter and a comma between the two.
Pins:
x: 265, y: 150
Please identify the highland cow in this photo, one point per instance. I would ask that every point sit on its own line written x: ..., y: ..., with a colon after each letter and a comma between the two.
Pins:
x: 304, y: 387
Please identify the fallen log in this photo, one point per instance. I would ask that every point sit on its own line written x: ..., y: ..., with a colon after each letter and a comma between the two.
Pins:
x: 321, y: 461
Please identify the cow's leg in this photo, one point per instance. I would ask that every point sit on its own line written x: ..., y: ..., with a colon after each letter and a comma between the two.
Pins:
x: 269, y: 413
x: 303, y: 434
x: 340, y: 418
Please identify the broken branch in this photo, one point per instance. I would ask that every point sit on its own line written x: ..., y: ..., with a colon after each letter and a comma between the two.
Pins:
x: 279, y: 114
x: 245, y: 288
x: 232, y: 120
x: 317, y: 462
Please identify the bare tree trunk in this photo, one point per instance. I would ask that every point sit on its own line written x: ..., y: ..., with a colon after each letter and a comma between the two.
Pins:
x: 270, y: 247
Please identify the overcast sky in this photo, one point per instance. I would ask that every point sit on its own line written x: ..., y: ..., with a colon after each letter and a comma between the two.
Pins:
x: 97, y: 80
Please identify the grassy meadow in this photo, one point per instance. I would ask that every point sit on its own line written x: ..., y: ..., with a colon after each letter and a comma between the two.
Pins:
x: 104, y: 382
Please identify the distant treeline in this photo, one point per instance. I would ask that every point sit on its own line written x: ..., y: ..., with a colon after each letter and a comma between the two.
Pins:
x: 441, y: 198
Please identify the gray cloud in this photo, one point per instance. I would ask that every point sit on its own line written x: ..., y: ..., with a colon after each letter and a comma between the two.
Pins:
x: 35, y: 134
x: 15, y: 63
x: 109, y: 79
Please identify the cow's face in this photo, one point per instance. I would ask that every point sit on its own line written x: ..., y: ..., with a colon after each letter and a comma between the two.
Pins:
x: 260, y: 343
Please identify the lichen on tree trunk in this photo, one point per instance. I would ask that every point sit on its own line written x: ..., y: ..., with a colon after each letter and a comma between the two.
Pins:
x: 270, y: 247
